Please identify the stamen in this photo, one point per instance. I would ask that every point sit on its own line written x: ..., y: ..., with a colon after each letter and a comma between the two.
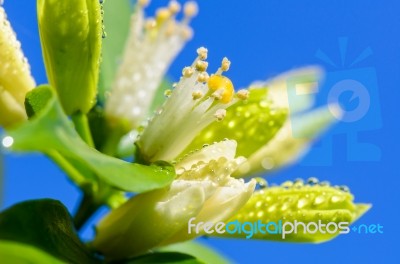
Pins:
x: 162, y: 15
x: 225, y: 64
x: 190, y: 9
x: 243, y: 94
x: 220, y: 114
x: 168, y: 93
x: 202, y: 52
x: 143, y: 3
x: 187, y: 72
x: 174, y: 7
x: 150, y: 24
x: 223, y: 87
x: 203, y: 77
x: 201, y: 66
x: 187, y: 32
x: 197, y: 95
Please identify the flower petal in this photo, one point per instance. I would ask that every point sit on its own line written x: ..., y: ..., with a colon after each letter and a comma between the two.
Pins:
x: 290, y: 143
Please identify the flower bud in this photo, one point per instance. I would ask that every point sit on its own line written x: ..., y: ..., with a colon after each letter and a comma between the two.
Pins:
x: 71, y: 33
x: 310, y: 204
x: 203, y: 190
x: 15, y: 76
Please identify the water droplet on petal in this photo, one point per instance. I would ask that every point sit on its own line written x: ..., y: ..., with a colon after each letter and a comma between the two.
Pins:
x: 319, y: 200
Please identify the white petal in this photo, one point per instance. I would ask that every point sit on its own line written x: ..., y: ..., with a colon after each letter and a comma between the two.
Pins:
x: 291, y: 142
x: 295, y: 90
x: 152, y: 217
x: 223, y: 204
x: 226, y: 148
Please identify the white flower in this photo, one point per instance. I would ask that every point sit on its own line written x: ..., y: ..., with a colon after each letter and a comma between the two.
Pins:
x: 196, y: 101
x: 203, y: 189
x: 151, y: 46
x: 15, y: 77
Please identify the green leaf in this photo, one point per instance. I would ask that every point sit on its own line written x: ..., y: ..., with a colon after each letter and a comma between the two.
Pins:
x: 306, y: 203
x: 165, y: 258
x: 252, y: 123
x: 1, y: 178
x: 116, y: 22
x: 46, y: 225
x: 18, y: 253
x: 198, y: 250
x: 50, y: 130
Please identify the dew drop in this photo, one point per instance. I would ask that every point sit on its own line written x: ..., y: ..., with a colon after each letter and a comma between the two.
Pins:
x: 312, y: 181
x: 267, y: 163
x: 7, y: 141
x: 325, y: 183
x: 344, y: 188
x: 336, y: 199
x: 272, y: 208
x: 302, y: 202
x: 261, y: 182
x: 287, y: 184
x: 319, y: 200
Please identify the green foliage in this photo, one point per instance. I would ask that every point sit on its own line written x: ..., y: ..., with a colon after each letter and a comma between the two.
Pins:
x: 45, y: 225
x: 50, y: 130
x: 165, y: 258
x: 198, y: 250
x: 18, y: 253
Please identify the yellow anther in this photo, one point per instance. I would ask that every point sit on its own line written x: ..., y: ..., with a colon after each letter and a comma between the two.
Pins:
x: 243, y: 94
x: 162, y: 15
x: 202, y: 52
x: 168, y: 92
x: 174, y: 7
x: 150, y: 24
x: 187, y: 72
x: 220, y: 114
x: 219, y: 82
x: 201, y: 66
x: 197, y: 95
x: 225, y: 64
x: 187, y: 32
x: 203, y: 77
x: 143, y: 3
x: 171, y: 28
x: 190, y: 9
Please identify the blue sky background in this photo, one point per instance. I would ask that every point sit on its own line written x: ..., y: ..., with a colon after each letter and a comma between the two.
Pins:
x: 264, y: 38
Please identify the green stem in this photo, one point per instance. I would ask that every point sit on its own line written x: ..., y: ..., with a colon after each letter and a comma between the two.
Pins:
x: 110, y: 146
x: 86, y: 209
x: 66, y: 166
x: 82, y: 127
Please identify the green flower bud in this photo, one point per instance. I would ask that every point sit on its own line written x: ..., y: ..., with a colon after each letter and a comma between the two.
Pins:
x: 71, y: 33
x: 252, y: 123
x: 306, y: 203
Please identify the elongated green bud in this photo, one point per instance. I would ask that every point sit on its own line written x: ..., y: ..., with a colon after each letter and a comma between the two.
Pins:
x: 71, y: 33
x: 321, y: 212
